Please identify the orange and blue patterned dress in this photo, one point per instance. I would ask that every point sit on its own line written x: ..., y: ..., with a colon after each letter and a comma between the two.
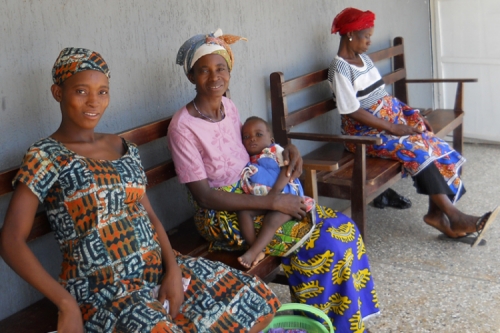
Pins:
x: 112, y: 256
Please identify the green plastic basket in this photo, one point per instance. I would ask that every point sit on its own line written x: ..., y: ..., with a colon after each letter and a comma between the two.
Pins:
x: 300, y: 322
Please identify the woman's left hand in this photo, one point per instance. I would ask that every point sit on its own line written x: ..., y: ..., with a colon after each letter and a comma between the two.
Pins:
x: 293, y: 160
x: 172, y: 290
x: 426, y: 123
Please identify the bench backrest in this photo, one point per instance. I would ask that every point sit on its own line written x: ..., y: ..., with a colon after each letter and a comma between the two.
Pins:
x: 139, y: 135
x: 280, y: 89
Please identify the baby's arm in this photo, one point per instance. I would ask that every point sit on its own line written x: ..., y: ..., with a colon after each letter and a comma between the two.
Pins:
x: 281, y: 182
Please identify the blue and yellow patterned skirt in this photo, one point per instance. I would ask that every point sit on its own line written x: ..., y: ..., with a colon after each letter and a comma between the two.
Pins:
x: 329, y: 271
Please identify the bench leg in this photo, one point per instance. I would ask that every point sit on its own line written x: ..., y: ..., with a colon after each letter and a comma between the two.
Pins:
x: 358, y: 190
x: 458, y: 141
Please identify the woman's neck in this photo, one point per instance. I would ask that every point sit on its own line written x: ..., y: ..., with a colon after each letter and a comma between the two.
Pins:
x: 209, y: 108
x: 68, y: 135
x: 349, y: 55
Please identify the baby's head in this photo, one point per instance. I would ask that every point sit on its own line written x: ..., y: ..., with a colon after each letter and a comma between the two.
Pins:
x: 256, y: 135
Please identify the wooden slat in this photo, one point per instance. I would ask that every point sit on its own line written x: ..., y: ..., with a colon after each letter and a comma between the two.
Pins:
x: 386, y: 53
x: 6, y: 177
x: 378, y: 170
x: 309, y: 112
x: 368, y: 140
x: 397, y: 75
x: 148, y: 132
x: 304, y: 81
x: 332, y: 152
x: 444, y: 121
x: 38, y: 317
x: 439, y: 80
x: 160, y: 172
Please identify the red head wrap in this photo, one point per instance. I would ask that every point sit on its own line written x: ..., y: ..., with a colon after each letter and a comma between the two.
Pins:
x: 352, y: 19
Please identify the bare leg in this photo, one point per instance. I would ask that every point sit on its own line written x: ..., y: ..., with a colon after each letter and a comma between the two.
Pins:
x: 245, y: 221
x: 272, y: 221
x: 448, y: 219
x: 437, y: 219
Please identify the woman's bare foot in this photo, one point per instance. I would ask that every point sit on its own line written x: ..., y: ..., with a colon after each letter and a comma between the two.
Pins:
x: 438, y: 220
x: 463, y: 223
x: 248, y: 260
x: 445, y: 217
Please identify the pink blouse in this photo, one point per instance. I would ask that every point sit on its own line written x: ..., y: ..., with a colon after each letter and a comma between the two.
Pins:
x: 204, y: 150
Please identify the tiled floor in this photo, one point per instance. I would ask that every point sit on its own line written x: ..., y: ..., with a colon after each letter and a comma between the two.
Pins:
x: 429, y: 284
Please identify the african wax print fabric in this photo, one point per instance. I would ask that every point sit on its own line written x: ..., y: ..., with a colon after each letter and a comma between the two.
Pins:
x: 415, y: 151
x: 222, y: 230
x: 72, y: 60
x: 200, y: 45
x: 330, y: 271
x: 112, y: 256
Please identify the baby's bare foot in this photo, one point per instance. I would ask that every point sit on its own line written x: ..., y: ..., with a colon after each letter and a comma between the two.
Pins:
x: 248, y: 259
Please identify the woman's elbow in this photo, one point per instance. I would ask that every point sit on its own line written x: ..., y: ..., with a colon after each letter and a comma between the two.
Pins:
x: 203, y: 201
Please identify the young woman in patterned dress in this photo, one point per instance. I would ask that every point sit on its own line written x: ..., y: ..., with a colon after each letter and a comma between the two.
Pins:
x: 115, y: 250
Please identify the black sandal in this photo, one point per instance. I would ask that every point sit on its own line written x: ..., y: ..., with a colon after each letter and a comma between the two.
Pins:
x: 483, y: 223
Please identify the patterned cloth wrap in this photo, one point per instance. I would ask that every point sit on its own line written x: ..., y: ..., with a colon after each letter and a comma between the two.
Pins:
x: 415, y: 151
x: 198, y: 46
x: 111, y: 253
x: 330, y: 271
x: 72, y: 60
x: 287, y: 239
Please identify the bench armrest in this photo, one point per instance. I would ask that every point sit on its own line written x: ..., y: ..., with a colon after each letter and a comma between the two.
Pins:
x: 460, y: 88
x: 319, y: 165
x: 439, y: 80
x: 367, y: 140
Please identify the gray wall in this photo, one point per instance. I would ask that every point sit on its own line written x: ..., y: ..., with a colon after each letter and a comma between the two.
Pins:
x: 139, y: 40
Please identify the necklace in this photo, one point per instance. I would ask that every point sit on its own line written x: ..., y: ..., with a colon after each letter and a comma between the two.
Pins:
x: 223, y: 115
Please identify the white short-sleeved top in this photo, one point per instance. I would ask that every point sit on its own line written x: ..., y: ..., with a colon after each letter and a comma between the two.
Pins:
x: 205, y: 150
x: 354, y: 87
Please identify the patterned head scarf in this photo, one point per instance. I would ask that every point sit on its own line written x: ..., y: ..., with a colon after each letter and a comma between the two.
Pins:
x: 352, y: 19
x: 198, y: 46
x: 72, y: 60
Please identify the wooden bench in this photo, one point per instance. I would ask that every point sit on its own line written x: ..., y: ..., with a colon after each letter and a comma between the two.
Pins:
x: 42, y: 315
x: 331, y: 170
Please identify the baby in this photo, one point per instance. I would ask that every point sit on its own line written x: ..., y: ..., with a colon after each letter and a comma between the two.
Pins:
x: 263, y: 175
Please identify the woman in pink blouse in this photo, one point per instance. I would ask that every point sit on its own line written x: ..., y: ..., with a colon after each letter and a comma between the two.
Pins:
x: 323, y: 254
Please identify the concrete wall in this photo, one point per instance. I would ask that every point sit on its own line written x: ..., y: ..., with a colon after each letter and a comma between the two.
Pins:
x: 139, y: 40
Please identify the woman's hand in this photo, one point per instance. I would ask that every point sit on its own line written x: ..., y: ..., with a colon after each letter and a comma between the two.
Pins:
x: 403, y: 130
x: 293, y: 161
x: 289, y: 204
x: 70, y: 318
x: 171, y: 289
x: 426, y: 123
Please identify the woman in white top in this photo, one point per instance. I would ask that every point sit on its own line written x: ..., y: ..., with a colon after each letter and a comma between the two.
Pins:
x: 367, y: 109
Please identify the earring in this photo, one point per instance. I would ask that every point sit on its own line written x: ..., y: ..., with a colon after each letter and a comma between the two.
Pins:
x: 350, y: 39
